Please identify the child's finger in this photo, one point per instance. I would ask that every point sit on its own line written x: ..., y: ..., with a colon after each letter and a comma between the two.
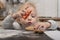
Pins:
x: 42, y: 28
x: 36, y: 27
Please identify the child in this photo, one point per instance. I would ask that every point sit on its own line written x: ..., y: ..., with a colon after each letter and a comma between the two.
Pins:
x: 20, y: 20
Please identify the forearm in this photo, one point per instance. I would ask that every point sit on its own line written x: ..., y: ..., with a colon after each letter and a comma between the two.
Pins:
x: 53, y: 24
x: 8, y: 21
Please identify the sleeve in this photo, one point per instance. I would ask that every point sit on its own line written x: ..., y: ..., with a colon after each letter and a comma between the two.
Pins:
x: 17, y: 26
x: 7, y: 22
x: 53, y: 24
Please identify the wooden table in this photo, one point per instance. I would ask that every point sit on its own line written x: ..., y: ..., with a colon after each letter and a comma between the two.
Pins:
x: 48, y: 18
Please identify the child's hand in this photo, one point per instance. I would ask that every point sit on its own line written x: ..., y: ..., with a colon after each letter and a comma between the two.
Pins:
x: 42, y: 26
x: 16, y: 15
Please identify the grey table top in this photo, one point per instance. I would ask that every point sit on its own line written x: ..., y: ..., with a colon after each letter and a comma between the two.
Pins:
x: 53, y: 34
x: 10, y: 33
x: 28, y: 35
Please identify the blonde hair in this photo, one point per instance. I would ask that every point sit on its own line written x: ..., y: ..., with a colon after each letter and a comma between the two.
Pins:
x: 27, y: 3
x: 23, y: 5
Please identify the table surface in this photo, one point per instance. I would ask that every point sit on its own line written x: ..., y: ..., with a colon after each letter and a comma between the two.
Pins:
x: 53, y: 34
x: 28, y: 35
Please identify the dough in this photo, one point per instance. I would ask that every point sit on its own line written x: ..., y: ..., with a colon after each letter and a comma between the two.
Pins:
x: 31, y: 28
